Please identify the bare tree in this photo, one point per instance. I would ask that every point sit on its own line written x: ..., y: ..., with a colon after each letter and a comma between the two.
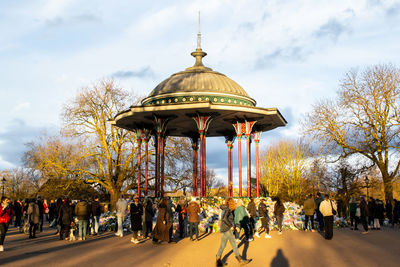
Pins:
x: 363, y: 120
x: 108, y: 150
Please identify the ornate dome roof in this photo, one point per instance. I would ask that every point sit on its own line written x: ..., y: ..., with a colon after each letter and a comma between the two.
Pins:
x: 198, y: 84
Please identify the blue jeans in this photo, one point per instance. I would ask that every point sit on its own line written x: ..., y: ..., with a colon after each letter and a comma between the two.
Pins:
x: 194, y: 225
x: 225, y: 237
x: 82, y: 228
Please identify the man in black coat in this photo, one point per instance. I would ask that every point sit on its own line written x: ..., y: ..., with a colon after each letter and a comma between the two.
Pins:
x: 136, y: 210
x: 95, y: 212
x: 148, y: 217
x: 39, y: 202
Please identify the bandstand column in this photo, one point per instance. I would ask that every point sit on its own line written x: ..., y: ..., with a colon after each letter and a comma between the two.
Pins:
x: 160, y: 125
x: 202, y: 123
x: 146, y: 150
x: 229, y: 143
x: 256, y: 137
x: 248, y: 128
x: 139, y: 139
x: 163, y: 141
x: 195, y: 147
x: 239, y: 133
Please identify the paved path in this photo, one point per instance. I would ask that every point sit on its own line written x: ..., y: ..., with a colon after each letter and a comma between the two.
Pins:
x: 293, y: 248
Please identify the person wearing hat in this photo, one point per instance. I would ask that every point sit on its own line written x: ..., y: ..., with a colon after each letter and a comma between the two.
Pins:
x: 136, y: 210
x: 193, y: 211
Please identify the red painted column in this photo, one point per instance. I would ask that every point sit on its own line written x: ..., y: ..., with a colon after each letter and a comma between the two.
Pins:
x: 195, y: 147
x: 202, y: 123
x: 257, y: 141
x: 248, y: 141
x: 229, y: 144
x: 146, y: 170
x: 156, y: 165
x: 139, y: 161
x: 248, y: 127
x: 239, y: 132
x: 204, y: 167
x: 201, y: 165
x: 163, y: 141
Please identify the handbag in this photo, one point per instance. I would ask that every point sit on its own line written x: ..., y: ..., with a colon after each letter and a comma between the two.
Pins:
x: 333, y: 210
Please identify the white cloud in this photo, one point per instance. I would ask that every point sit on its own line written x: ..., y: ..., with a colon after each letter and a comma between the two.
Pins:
x: 22, y: 106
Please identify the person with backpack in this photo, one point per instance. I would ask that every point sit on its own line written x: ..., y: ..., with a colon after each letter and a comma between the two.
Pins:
x: 226, y: 229
x: 252, y: 210
x: 328, y: 210
x: 309, y: 209
x: 82, y: 214
x: 65, y: 218
x: 33, y: 217
x: 242, y: 219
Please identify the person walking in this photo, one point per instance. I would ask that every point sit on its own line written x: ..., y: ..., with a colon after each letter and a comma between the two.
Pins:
x: 279, y: 209
x: 396, y: 212
x: 182, y: 214
x: 264, y: 217
x: 371, y: 212
x: 121, y: 207
x: 136, y: 210
x: 252, y: 210
x: 149, y: 213
x: 82, y: 214
x: 353, y: 205
x: 33, y: 217
x: 40, y: 204
x: 309, y: 209
x: 364, y: 214
x: 389, y: 210
x: 242, y: 219
x: 379, y: 214
x: 193, y: 211
x: 18, y: 211
x: 6, y: 213
x: 164, y: 222
x: 96, y: 210
x: 320, y: 217
x: 66, y: 218
x: 227, y: 225
x: 328, y: 210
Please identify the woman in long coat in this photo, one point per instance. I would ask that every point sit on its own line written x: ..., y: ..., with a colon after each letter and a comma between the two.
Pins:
x: 164, y: 222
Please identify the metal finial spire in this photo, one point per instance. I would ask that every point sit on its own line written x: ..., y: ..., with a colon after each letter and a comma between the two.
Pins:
x: 199, y: 35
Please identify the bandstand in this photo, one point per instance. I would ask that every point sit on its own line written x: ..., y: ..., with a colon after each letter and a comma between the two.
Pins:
x: 198, y: 103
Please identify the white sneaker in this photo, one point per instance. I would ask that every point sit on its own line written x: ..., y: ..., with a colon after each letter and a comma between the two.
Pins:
x: 251, y: 239
x: 1, y: 248
x: 257, y: 235
x: 267, y: 236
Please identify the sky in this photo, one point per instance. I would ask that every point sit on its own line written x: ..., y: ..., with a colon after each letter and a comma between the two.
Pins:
x: 285, y: 54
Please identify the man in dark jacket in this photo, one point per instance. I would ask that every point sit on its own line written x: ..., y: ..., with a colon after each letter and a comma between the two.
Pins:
x: 181, y: 210
x: 227, y: 224
x: 371, y: 211
x: 136, y: 210
x: 82, y: 214
x: 320, y: 218
x: 364, y: 214
x: 39, y: 202
x: 149, y: 213
x: 264, y: 217
x: 96, y: 212
x: 65, y: 217
x: 251, y: 208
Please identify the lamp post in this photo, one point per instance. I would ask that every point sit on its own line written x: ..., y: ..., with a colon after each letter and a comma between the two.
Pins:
x: 3, y: 182
x: 367, y: 185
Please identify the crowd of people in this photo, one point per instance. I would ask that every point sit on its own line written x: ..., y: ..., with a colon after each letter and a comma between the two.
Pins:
x: 80, y: 218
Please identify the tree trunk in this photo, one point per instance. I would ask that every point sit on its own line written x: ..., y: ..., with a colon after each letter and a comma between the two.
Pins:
x: 114, y: 195
x: 388, y: 188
